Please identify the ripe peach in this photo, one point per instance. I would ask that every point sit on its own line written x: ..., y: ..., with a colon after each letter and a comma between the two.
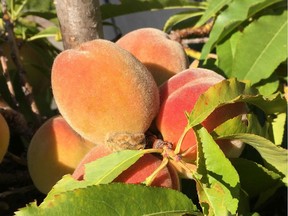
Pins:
x: 100, y: 88
x: 4, y: 137
x: 179, y: 94
x: 55, y: 150
x: 135, y: 174
x: 162, y: 56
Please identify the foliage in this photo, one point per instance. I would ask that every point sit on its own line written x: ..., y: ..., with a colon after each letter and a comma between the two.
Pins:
x: 248, y: 39
x: 28, y: 51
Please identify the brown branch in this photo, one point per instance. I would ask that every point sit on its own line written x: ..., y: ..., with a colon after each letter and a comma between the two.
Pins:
x: 201, y: 31
x: 26, y: 87
x: 80, y: 21
x: 6, y: 75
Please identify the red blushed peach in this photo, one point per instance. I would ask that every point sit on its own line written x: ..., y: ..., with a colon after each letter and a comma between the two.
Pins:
x: 162, y: 56
x: 100, y: 88
x: 137, y: 173
x: 4, y: 137
x: 186, y: 76
x: 55, y: 150
x: 180, y: 95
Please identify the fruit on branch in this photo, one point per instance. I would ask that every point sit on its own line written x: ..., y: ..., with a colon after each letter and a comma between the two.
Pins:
x: 100, y: 88
x: 153, y: 47
x: 135, y: 174
x: 4, y: 137
x: 55, y: 150
x: 179, y: 95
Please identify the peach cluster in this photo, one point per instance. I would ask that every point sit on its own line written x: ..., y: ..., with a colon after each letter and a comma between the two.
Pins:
x: 4, y: 137
x: 109, y: 95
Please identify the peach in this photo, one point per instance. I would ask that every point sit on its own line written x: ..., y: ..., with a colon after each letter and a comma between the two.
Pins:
x: 100, y: 88
x: 137, y: 173
x: 4, y: 137
x: 178, y: 95
x: 162, y: 56
x: 55, y: 150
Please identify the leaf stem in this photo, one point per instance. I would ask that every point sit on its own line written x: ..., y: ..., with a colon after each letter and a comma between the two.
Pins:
x: 150, y: 179
x: 180, y: 141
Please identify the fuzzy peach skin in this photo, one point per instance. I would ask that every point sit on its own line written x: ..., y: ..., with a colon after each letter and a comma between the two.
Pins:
x: 153, y: 47
x: 135, y: 174
x: 55, y: 150
x: 178, y: 95
x: 4, y: 137
x: 100, y: 88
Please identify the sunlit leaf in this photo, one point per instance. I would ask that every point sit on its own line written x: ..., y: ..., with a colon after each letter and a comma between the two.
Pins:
x: 275, y: 157
x: 235, y: 91
x: 237, y: 125
x: 236, y: 12
x: 104, y: 170
x: 51, y: 31
x: 217, y: 180
x: 266, y: 54
x: 101, y: 171
x: 226, y: 53
x: 190, y: 17
x: 214, y: 6
x: 114, y: 199
x: 278, y: 126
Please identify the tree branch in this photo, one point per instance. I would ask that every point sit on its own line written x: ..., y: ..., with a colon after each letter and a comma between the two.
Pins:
x: 26, y: 87
x: 80, y: 21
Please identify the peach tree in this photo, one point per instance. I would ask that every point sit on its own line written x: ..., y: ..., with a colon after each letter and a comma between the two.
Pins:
x: 214, y: 129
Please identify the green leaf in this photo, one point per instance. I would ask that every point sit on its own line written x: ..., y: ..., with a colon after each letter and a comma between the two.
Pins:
x: 133, y: 6
x: 217, y: 181
x: 190, y: 17
x: 114, y: 199
x: 237, y: 125
x: 226, y: 53
x: 101, y: 171
x: 51, y: 31
x: 214, y: 6
x: 104, y: 170
x: 268, y: 86
x: 267, y: 53
x: 278, y: 126
x: 235, y: 91
x: 275, y: 157
x: 262, y: 178
x: 237, y: 12
x: 253, y: 134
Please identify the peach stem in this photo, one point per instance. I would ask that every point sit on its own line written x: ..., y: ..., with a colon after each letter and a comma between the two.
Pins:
x: 148, y: 181
x: 188, y: 151
x: 179, y: 143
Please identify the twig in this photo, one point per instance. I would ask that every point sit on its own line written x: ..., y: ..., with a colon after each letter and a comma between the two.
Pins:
x: 201, y: 31
x: 194, y: 40
x: 26, y: 87
x: 6, y: 75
